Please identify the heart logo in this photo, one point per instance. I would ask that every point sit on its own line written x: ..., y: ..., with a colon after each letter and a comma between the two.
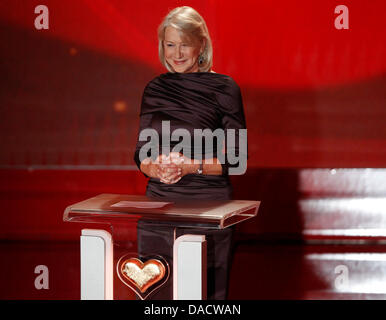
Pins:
x: 142, y: 277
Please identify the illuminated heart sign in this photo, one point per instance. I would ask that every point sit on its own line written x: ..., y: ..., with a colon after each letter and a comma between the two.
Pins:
x: 142, y: 277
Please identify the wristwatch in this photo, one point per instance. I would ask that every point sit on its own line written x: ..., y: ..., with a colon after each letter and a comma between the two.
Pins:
x: 199, y: 170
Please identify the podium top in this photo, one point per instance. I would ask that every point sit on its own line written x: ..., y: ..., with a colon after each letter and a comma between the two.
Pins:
x: 207, y: 214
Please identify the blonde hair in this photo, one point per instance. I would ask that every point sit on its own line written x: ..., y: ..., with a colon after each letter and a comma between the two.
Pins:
x: 192, y: 27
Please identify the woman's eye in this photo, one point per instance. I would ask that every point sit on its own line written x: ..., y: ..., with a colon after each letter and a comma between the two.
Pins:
x: 171, y: 45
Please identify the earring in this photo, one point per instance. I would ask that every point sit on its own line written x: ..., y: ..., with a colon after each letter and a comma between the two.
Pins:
x: 200, y: 59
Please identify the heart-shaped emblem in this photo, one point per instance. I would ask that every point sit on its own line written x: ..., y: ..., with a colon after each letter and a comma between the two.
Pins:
x: 142, y: 277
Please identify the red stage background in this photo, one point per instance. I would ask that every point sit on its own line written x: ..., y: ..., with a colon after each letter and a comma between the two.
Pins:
x: 314, y: 97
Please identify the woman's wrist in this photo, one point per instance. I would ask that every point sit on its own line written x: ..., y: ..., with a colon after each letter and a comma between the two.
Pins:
x: 149, y: 168
x: 190, y: 168
x: 195, y: 167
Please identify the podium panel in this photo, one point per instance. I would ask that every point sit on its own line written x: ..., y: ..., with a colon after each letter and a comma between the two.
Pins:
x: 96, y: 265
x: 189, y: 278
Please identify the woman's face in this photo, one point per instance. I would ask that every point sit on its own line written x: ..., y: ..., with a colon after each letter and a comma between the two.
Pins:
x: 181, y: 56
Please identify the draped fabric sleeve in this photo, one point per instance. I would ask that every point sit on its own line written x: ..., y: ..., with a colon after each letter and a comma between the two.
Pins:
x: 144, y: 122
x: 233, y: 117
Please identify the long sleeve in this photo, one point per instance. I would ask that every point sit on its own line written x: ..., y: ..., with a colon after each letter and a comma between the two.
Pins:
x: 236, y: 146
x: 144, y: 122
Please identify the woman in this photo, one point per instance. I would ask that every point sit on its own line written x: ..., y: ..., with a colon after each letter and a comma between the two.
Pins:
x: 189, y: 96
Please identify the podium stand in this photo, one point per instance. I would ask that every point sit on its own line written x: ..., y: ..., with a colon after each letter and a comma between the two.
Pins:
x: 100, y: 248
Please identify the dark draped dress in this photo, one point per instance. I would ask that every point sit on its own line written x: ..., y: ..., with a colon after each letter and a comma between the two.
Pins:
x: 198, y: 100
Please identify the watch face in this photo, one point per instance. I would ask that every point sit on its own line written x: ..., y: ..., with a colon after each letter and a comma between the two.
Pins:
x: 199, y: 170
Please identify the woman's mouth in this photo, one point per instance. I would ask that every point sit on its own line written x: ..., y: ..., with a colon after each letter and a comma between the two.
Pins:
x: 178, y: 62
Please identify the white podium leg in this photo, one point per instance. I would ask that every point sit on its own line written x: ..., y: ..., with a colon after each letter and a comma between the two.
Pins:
x: 96, y: 265
x: 189, y: 267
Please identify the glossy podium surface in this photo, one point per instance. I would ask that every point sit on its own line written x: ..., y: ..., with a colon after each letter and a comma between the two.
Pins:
x: 205, y: 214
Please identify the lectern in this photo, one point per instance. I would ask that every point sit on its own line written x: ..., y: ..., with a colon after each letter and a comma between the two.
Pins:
x: 104, y: 256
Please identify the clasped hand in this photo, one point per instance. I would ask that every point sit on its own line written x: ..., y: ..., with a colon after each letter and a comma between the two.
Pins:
x: 170, y: 169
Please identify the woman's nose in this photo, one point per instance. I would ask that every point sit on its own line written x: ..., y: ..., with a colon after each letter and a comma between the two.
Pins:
x: 178, y: 53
